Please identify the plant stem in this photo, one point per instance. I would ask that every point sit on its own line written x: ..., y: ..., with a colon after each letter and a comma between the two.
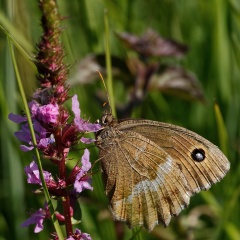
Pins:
x: 109, y: 65
x: 62, y: 176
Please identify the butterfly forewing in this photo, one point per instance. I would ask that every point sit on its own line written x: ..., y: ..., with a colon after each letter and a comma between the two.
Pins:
x: 151, y: 169
x: 180, y: 143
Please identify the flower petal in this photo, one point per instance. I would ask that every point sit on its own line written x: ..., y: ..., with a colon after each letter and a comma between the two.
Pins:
x: 87, y: 140
x: 39, y: 226
x: 16, y: 118
x: 48, y: 113
x: 44, y: 142
x: 78, y: 186
x: 86, y: 164
x: 36, y: 218
x: 87, y: 185
x: 85, y: 236
x: 25, y: 148
x: 32, y: 173
x: 33, y: 106
x: 92, y: 127
x: 75, y: 106
x: 82, y: 125
x: 23, y: 136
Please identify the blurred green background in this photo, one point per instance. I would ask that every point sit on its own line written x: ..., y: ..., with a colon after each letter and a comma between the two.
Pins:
x: 211, y: 30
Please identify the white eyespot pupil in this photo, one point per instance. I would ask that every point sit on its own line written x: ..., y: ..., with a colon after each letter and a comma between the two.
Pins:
x: 198, y: 155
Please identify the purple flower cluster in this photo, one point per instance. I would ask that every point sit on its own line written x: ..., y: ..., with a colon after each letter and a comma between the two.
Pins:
x: 82, y: 181
x: 48, y: 115
x: 24, y: 134
x: 46, y: 120
x: 57, y: 130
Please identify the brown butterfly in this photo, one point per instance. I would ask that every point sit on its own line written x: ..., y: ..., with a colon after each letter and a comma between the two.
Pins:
x: 151, y: 169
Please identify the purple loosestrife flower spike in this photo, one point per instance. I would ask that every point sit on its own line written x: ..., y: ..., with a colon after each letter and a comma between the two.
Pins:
x: 56, y: 133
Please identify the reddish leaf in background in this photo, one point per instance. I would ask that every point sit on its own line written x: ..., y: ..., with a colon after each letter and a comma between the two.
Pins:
x: 139, y: 76
x: 152, y: 44
x: 177, y: 81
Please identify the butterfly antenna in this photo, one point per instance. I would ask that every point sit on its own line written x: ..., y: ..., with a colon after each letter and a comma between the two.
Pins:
x: 106, y: 91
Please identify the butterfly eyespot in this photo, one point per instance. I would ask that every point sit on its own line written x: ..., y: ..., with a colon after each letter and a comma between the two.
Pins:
x: 198, y: 155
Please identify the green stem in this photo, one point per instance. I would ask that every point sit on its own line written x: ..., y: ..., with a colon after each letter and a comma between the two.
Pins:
x: 222, y: 131
x: 109, y: 65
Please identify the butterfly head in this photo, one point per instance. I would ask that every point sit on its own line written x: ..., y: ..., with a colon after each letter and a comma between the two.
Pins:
x: 107, y: 122
x: 107, y: 118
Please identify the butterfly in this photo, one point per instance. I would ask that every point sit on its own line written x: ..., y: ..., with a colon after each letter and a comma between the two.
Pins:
x: 151, y: 169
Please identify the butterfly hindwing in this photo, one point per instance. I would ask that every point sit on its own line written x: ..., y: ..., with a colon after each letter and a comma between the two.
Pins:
x: 148, y: 187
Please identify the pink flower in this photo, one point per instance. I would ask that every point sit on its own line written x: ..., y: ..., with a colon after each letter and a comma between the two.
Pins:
x: 37, y: 218
x: 60, y: 89
x: 24, y: 134
x: 87, y: 140
x: 33, y: 106
x: 46, y: 113
x: 82, y: 180
x: 81, y: 124
x: 78, y: 235
x: 32, y: 173
x: 17, y: 118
